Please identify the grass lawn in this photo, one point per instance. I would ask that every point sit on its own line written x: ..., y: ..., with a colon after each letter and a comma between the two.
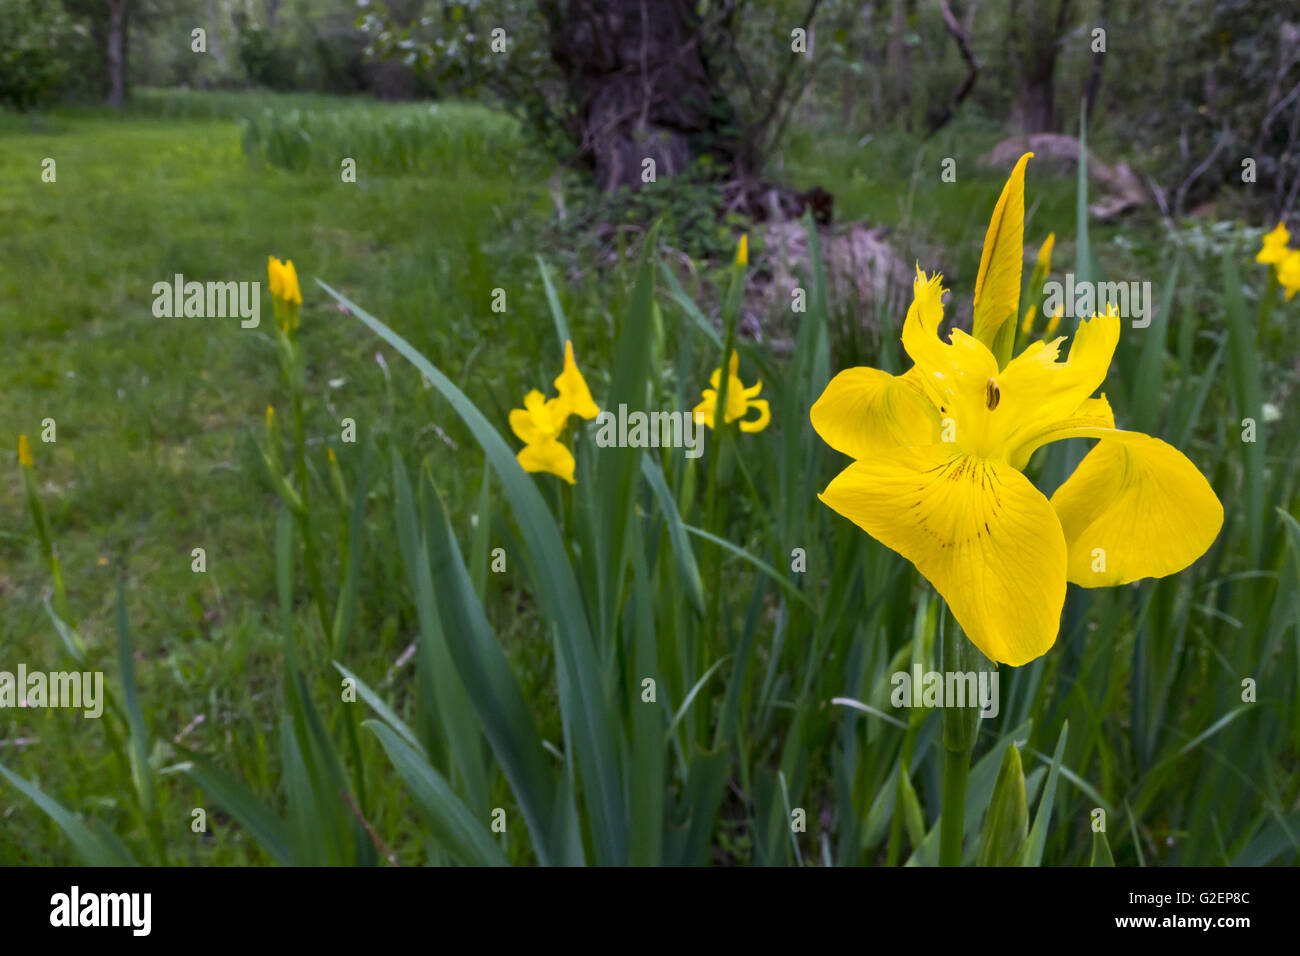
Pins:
x: 152, y: 456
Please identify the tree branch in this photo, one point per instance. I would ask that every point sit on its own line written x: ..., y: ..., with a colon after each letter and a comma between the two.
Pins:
x: 940, y: 120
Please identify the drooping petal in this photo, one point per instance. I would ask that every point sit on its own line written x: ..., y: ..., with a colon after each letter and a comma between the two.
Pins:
x: 1135, y: 508
x: 550, y: 457
x: 574, y: 393
x: 764, y: 416
x: 864, y: 411
x: 977, y: 529
x: 997, y: 285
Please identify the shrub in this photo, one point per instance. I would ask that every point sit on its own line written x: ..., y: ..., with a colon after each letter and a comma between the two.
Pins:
x: 35, y: 52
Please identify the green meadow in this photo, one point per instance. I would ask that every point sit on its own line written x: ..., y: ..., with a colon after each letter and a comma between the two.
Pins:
x: 446, y: 688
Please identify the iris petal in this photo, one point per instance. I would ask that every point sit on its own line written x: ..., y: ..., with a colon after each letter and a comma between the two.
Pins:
x: 575, y: 396
x: 985, y: 537
x: 1094, y: 414
x: 1135, y: 508
x: 997, y: 285
x: 1038, y: 391
x: 764, y: 416
x: 864, y: 411
x: 548, y: 456
x: 954, y: 373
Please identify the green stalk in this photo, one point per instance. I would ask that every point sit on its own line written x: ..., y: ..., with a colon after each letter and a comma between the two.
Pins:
x: 294, y: 374
x: 956, y: 770
x: 730, y: 312
x: 960, y: 728
x: 46, y: 542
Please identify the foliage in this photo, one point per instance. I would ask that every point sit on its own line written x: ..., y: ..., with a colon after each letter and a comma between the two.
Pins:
x: 267, y: 60
x: 688, y: 205
x: 35, y: 52
x: 1230, y: 92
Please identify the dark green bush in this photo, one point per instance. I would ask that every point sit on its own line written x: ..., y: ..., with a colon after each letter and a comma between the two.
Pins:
x: 36, y: 38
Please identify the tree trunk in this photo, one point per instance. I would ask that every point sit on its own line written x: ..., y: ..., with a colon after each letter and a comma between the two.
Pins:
x: 899, y: 60
x: 117, y: 53
x: 1037, y: 105
x: 1093, y: 86
x: 1038, y: 36
x: 645, y: 102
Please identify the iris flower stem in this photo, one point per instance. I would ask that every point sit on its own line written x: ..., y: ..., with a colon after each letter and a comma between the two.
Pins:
x: 713, y: 510
x: 960, y: 730
x: 47, y: 545
x: 956, y: 770
x: 730, y: 312
x: 304, y: 514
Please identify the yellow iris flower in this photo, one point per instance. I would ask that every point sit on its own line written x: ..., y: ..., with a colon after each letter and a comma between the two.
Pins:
x: 1288, y: 273
x: 1275, y: 248
x: 940, y: 452
x: 283, y: 280
x: 539, y: 420
x: 24, y: 452
x: 285, y: 294
x: 740, y: 401
x: 539, y: 423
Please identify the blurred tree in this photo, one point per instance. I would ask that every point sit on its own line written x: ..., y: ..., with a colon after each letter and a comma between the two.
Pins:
x: 613, y: 85
x: 643, y: 98
x: 1036, y: 30
x: 1214, y: 114
x: 34, y: 52
x: 109, y: 23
